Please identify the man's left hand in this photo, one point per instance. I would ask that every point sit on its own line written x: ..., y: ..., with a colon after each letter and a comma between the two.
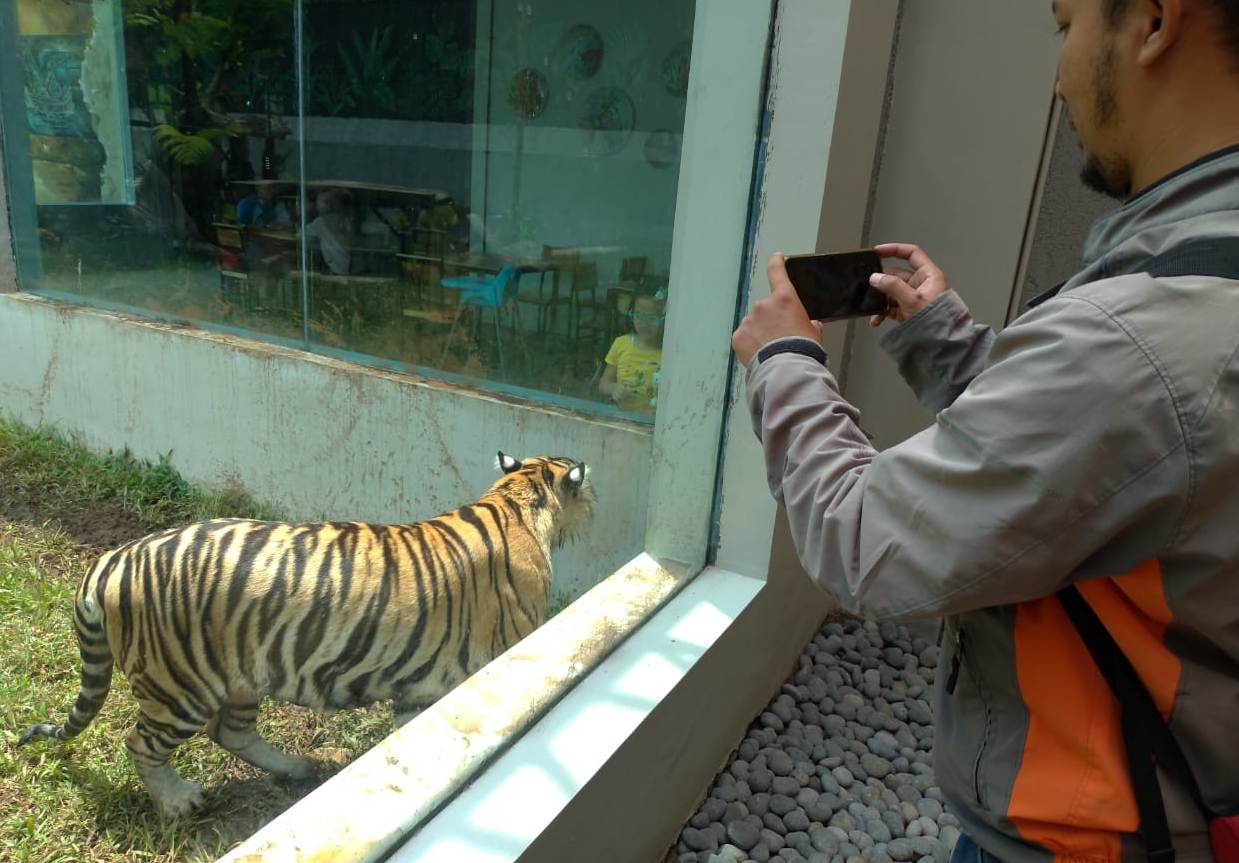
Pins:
x: 774, y: 317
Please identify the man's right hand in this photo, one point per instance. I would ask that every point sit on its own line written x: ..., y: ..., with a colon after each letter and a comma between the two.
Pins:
x: 909, y: 290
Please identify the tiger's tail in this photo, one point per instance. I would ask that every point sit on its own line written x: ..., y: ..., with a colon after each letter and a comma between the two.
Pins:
x: 96, y: 673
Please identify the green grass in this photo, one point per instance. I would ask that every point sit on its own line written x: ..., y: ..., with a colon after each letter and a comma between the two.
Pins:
x: 80, y: 800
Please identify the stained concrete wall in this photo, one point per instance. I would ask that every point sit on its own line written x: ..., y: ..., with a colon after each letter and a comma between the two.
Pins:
x: 317, y: 437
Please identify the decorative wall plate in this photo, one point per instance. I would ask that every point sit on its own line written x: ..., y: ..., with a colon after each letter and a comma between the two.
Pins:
x: 580, y: 52
x: 662, y: 148
x: 674, y: 70
x: 608, y: 121
x: 528, y: 94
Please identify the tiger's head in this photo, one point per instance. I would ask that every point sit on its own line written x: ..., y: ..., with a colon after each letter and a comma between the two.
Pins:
x: 555, y: 485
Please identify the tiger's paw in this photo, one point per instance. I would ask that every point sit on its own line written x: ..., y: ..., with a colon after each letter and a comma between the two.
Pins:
x: 178, y: 799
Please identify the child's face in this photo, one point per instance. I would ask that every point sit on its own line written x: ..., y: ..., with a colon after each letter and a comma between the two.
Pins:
x: 647, y: 319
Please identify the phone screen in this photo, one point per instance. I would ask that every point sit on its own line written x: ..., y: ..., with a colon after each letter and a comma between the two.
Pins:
x: 837, y: 286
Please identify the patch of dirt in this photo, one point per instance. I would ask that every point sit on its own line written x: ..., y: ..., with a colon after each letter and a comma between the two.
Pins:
x: 95, y: 525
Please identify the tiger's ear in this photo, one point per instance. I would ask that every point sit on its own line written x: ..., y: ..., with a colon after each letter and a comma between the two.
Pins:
x: 577, y: 473
x: 506, y: 463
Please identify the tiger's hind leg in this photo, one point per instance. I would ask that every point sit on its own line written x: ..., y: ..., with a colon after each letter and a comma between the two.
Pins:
x: 233, y: 728
x: 150, y: 744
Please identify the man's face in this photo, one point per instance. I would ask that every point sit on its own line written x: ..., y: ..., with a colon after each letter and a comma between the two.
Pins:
x: 1089, y: 87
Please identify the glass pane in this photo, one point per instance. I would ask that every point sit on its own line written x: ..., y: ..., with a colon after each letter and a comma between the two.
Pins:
x: 137, y: 123
x: 490, y: 186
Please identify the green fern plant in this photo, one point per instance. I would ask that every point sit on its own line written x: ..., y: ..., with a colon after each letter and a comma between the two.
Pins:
x: 188, y: 149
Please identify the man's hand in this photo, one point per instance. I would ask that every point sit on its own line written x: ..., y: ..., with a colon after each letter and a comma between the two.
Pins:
x: 909, y: 291
x: 774, y: 317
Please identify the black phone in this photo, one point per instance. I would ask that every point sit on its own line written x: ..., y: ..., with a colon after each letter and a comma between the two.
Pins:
x: 836, y: 286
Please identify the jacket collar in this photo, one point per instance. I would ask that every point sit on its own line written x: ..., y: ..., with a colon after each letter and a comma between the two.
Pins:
x: 1208, y: 185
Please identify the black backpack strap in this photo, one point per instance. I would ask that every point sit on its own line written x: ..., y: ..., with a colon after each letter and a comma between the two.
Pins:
x: 1146, y: 737
x: 1216, y: 257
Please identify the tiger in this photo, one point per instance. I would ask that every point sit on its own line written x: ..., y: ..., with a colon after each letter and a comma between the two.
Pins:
x: 207, y: 619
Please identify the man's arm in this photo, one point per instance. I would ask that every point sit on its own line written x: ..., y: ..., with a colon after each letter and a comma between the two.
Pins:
x: 1064, y: 458
x: 937, y: 346
x: 939, y: 350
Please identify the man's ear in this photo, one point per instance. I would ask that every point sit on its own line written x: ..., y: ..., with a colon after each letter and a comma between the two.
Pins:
x: 1162, y: 24
x: 506, y: 463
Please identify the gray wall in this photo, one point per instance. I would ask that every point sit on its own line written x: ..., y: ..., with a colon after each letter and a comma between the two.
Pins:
x: 1066, y: 212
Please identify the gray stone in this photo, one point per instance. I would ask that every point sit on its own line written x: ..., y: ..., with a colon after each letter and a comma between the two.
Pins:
x: 901, y: 850
x: 908, y: 794
x: 729, y: 854
x: 860, y: 839
x: 774, y: 822
x: 928, y: 827
x: 796, y: 820
x: 909, y: 812
x: 823, y: 840
x: 771, y: 721
x: 744, y: 833
x: 926, y: 847
x: 821, y: 809
x: 843, y: 821
x: 773, y: 841
x: 760, y: 778
x: 699, y: 840
x: 785, y: 785
x: 844, y: 776
x: 948, y: 837
x: 779, y: 762
x: 726, y: 793
x: 948, y: 820
x: 929, y: 808
x: 734, y: 811
x: 759, y: 804
x: 806, y: 798
x: 849, y: 705
x: 834, y: 724
x: 894, y: 822
x: 713, y: 809
x: 875, y: 766
x: 760, y: 853
x: 781, y: 804
x: 883, y: 745
x: 748, y: 749
x: 918, y: 711
x: 688, y: 857
x: 739, y: 769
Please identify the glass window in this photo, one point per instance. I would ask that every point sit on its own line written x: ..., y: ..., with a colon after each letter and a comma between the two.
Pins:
x: 483, y: 192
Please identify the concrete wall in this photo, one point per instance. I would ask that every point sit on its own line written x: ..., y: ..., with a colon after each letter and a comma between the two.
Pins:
x: 317, y: 437
x: 973, y: 92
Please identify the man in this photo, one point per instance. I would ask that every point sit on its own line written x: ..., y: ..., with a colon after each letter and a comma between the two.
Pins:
x: 1094, y: 442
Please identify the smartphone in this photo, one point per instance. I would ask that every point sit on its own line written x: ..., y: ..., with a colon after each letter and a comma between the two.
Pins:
x: 836, y: 286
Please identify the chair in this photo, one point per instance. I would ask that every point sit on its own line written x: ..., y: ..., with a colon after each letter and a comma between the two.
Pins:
x: 485, y: 292
x: 423, y: 267
x: 620, y: 294
x: 558, y: 261
x: 599, y: 324
x: 233, y: 274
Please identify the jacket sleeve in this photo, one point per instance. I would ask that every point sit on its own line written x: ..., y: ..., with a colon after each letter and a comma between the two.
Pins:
x: 1064, y: 459
x: 939, y: 350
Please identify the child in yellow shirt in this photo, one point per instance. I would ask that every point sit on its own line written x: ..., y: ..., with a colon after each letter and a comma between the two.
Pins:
x: 632, y: 363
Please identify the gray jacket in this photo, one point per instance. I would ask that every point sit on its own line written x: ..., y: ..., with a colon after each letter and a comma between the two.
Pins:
x: 1093, y: 442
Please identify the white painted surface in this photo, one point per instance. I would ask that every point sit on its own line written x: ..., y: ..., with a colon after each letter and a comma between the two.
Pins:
x: 708, y: 256
x: 326, y: 439
x: 813, y: 130
x: 505, y: 809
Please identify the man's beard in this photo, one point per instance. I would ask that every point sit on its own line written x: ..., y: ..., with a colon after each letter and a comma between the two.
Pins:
x: 1108, y: 176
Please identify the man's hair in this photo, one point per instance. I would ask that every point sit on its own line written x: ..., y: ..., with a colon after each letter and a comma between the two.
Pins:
x: 1227, y: 10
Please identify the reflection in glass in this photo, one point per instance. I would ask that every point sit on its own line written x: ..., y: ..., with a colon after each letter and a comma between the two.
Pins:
x: 483, y: 192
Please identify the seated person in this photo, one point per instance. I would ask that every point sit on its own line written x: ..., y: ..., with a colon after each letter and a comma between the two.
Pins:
x: 332, y: 228
x: 632, y: 364
x: 261, y: 207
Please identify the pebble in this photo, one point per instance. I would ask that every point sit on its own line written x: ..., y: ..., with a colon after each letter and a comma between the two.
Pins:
x: 838, y: 768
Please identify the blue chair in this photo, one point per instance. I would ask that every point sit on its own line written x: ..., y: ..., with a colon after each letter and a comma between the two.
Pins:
x: 485, y: 292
